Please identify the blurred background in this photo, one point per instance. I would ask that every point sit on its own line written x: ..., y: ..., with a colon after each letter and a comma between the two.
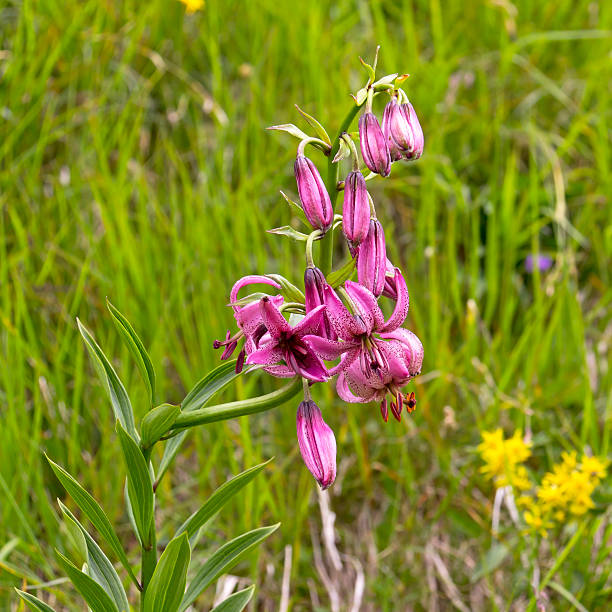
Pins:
x: 135, y: 165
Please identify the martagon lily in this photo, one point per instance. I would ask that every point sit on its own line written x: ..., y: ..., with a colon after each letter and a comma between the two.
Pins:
x: 377, y: 357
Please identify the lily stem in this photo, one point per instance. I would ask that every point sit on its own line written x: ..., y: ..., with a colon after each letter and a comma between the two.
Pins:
x: 327, y: 243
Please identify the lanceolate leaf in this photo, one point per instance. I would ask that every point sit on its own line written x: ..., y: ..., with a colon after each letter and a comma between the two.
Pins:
x: 236, y: 602
x: 287, y: 230
x: 222, y: 560
x: 290, y: 291
x: 337, y: 277
x: 218, y: 499
x: 33, y: 602
x: 198, y: 397
x: 92, y: 510
x: 99, y: 567
x: 95, y: 596
x: 137, y: 349
x: 212, y: 383
x: 294, y: 130
x: 318, y: 128
x: 157, y: 422
x: 140, y: 487
x: 167, y: 586
x: 116, y: 391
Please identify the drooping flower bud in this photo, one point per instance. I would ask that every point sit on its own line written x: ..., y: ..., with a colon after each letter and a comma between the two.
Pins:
x: 314, y: 292
x: 417, y: 131
x: 317, y: 443
x: 373, y: 143
x: 372, y: 259
x: 402, y: 131
x: 313, y: 195
x: 356, y: 208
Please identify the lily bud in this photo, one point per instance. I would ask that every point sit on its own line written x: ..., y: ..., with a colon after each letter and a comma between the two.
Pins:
x: 314, y: 292
x: 402, y: 131
x: 356, y: 208
x: 317, y: 443
x: 373, y: 143
x: 313, y: 195
x: 372, y: 259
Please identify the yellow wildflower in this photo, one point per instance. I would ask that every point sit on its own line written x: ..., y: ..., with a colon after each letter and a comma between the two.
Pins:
x: 502, y: 458
x: 536, y: 522
x: 594, y: 467
x: 191, y: 6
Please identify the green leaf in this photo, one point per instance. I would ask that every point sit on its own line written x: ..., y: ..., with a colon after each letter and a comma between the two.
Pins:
x: 115, y: 389
x: 294, y: 130
x: 137, y: 349
x: 98, y: 565
x: 297, y: 209
x: 344, y: 151
x: 157, y: 422
x: 92, y: 510
x: 318, y: 128
x: 212, y: 383
x: 95, y: 596
x: 76, y: 537
x: 235, y: 602
x: 248, y: 299
x: 167, y: 586
x: 287, y: 230
x: 34, y: 602
x: 218, y: 499
x: 361, y: 96
x: 201, y: 393
x: 289, y: 290
x: 222, y: 560
x: 140, y: 487
x: 337, y: 277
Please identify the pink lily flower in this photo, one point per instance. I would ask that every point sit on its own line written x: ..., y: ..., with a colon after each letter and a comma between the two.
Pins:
x: 249, y: 320
x: 376, y: 356
x: 281, y: 342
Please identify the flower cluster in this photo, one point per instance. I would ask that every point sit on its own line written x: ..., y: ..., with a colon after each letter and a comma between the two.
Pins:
x: 503, y: 459
x: 564, y: 493
x: 336, y: 325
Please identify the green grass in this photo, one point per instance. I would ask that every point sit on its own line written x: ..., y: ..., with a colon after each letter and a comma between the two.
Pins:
x: 134, y: 164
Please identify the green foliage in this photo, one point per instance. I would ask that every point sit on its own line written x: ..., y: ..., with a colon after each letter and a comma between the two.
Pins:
x: 236, y: 602
x: 167, y: 585
x: 131, y: 136
x: 222, y: 560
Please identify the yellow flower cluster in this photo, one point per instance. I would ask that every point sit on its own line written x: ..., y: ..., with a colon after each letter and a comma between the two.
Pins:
x: 565, y: 492
x: 191, y: 6
x: 503, y: 459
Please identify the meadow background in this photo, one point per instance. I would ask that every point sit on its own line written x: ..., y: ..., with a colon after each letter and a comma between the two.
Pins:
x: 134, y: 164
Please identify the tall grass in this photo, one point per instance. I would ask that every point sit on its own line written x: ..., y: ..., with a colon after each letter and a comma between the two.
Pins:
x: 134, y: 164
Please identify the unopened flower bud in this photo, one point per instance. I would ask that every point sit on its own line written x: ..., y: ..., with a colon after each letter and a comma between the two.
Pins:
x: 313, y: 195
x: 314, y: 292
x: 356, y: 208
x: 372, y: 259
x: 373, y: 143
x: 317, y: 443
x: 402, y: 131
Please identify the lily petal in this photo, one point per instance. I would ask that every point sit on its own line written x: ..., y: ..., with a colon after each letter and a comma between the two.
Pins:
x: 273, y: 319
x: 400, y: 312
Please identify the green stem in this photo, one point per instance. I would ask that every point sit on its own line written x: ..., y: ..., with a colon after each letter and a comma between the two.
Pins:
x: 149, y: 549
x: 231, y: 410
x: 327, y: 243
x: 149, y: 561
